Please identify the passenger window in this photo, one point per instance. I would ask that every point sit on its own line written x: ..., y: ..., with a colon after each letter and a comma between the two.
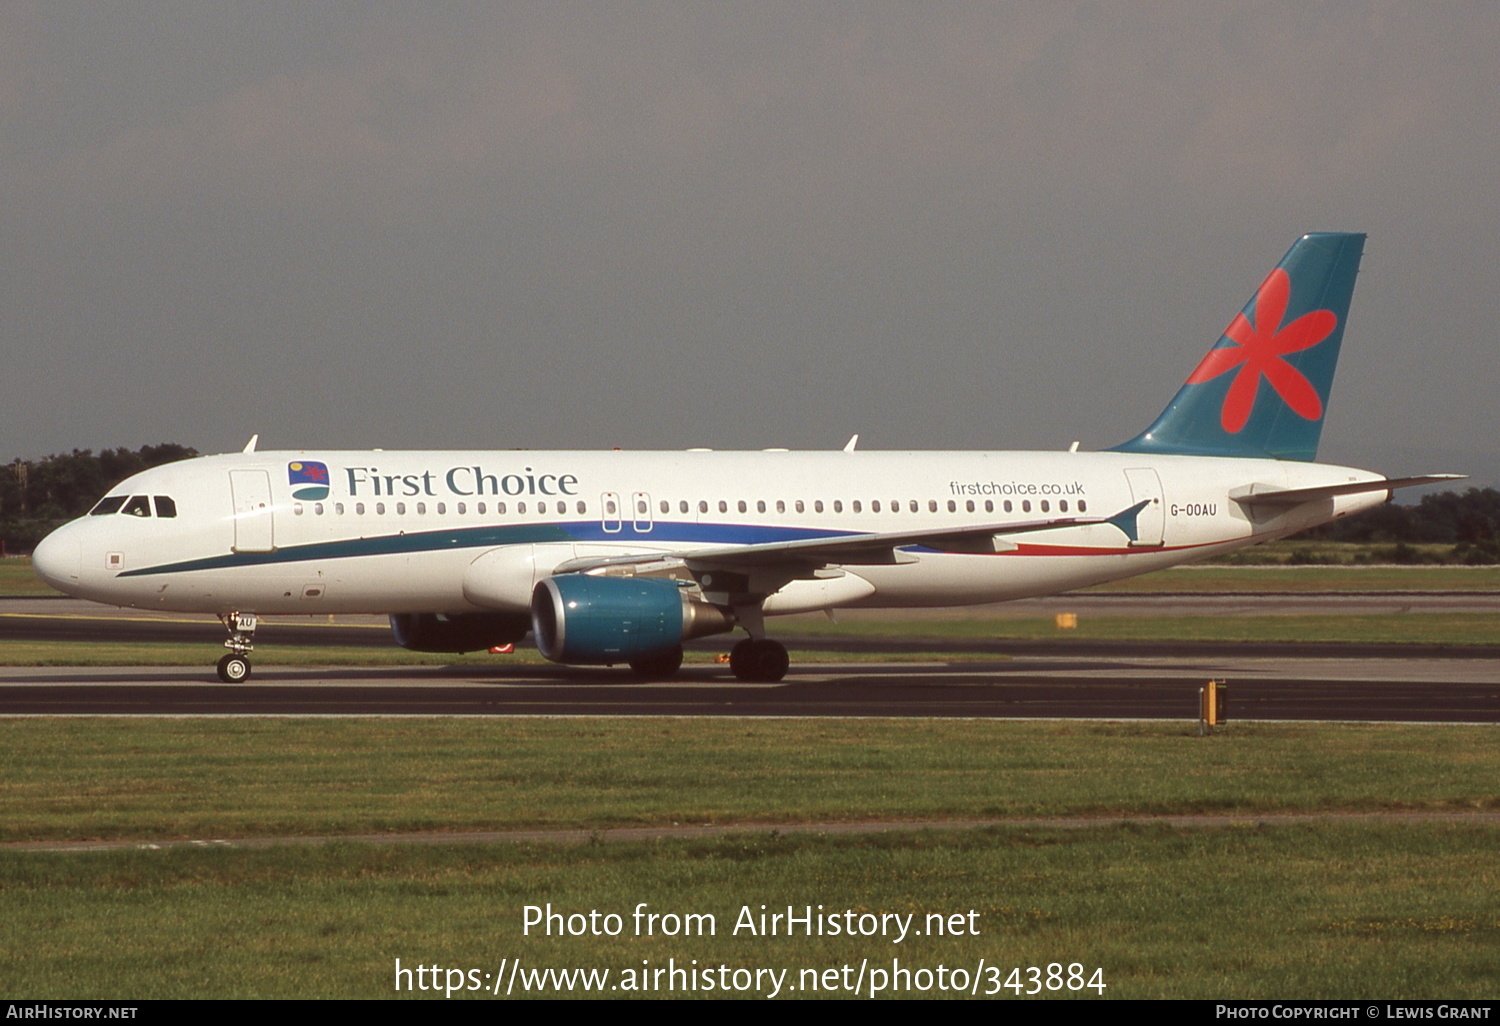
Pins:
x: 463, y: 508
x: 875, y: 506
x: 108, y: 505
x: 682, y: 506
x: 800, y: 508
x: 818, y: 506
x: 297, y: 509
x: 913, y: 507
x: 442, y: 508
x: 165, y: 507
x: 479, y: 507
x: 1008, y: 506
x: 401, y: 508
x: 137, y: 506
x: 380, y: 509
x: 989, y: 505
x: 1062, y: 505
x: 723, y: 506
x: 932, y: 505
x: 855, y: 506
x: 780, y: 506
x: 338, y: 507
x: 359, y: 508
x: 1025, y: 505
x: 760, y: 506
x: 318, y: 508
x: 744, y: 508
x: 838, y: 505
x: 952, y: 506
x: 702, y: 505
x: 969, y: 506
x: 1083, y: 507
x: 520, y: 507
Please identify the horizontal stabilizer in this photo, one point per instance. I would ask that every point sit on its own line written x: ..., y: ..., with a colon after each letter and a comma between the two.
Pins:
x: 1297, y: 496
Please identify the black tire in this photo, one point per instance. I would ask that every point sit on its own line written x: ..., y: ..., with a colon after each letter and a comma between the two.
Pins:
x: 658, y: 665
x: 234, y: 669
x: 774, y: 662
x: 741, y: 659
x: 759, y: 661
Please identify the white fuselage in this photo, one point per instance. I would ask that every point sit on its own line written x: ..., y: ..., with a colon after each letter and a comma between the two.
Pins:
x: 455, y: 532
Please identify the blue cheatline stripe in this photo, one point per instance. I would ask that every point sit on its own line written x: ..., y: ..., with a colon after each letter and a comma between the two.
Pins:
x: 493, y: 536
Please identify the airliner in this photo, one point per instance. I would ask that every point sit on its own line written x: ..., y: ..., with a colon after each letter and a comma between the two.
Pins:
x: 612, y: 558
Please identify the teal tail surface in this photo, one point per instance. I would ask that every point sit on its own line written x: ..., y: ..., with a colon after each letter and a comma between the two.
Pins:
x: 1263, y: 388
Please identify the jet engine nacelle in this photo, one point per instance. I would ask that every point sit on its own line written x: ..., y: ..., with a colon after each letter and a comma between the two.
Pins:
x: 578, y: 618
x: 458, y: 632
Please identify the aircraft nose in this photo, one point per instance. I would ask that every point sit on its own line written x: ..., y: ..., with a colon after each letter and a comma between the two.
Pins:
x: 58, y: 559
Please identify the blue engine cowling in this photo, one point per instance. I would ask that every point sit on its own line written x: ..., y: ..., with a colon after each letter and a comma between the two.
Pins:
x: 458, y: 632
x: 582, y: 619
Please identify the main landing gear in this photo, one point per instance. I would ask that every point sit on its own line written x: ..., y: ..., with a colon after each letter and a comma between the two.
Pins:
x: 234, y: 668
x: 658, y: 665
x: 759, y: 661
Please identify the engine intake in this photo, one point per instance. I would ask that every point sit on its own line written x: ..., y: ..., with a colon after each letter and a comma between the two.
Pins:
x: 578, y: 618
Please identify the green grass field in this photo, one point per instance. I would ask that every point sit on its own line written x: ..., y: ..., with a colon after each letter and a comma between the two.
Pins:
x: 136, y: 778
x: 17, y: 578
x: 1324, y: 910
x: 1369, y: 908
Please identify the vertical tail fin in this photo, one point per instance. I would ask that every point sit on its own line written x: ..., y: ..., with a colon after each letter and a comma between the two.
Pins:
x: 1263, y: 388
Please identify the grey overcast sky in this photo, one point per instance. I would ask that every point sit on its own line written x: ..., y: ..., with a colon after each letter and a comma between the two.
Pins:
x: 737, y: 225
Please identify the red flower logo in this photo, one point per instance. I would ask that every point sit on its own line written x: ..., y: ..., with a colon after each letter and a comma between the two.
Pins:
x: 1258, y: 353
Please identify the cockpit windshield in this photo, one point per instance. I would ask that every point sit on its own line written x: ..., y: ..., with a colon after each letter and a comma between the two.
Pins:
x: 135, y: 506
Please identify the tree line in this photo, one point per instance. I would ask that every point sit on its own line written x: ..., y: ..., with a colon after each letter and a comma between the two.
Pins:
x: 38, y: 495
x: 1469, y: 521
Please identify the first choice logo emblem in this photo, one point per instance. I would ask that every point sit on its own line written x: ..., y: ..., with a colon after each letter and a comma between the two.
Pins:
x: 309, y: 479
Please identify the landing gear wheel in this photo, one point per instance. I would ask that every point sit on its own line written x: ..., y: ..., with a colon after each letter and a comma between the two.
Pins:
x: 234, y: 669
x: 759, y: 661
x: 658, y: 665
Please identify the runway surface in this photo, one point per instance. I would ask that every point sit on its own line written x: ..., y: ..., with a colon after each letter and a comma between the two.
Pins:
x: 1044, y: 679
x: 1121, y: 688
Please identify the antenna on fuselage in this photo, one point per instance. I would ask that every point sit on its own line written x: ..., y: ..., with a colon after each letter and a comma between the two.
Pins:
x: 853, y: 441
x: 250, y: 445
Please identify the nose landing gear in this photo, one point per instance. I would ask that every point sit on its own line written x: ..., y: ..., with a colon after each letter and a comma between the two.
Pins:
x: 234, y: 668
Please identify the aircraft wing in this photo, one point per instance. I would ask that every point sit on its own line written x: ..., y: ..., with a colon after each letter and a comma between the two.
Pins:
x: 855, y: 549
